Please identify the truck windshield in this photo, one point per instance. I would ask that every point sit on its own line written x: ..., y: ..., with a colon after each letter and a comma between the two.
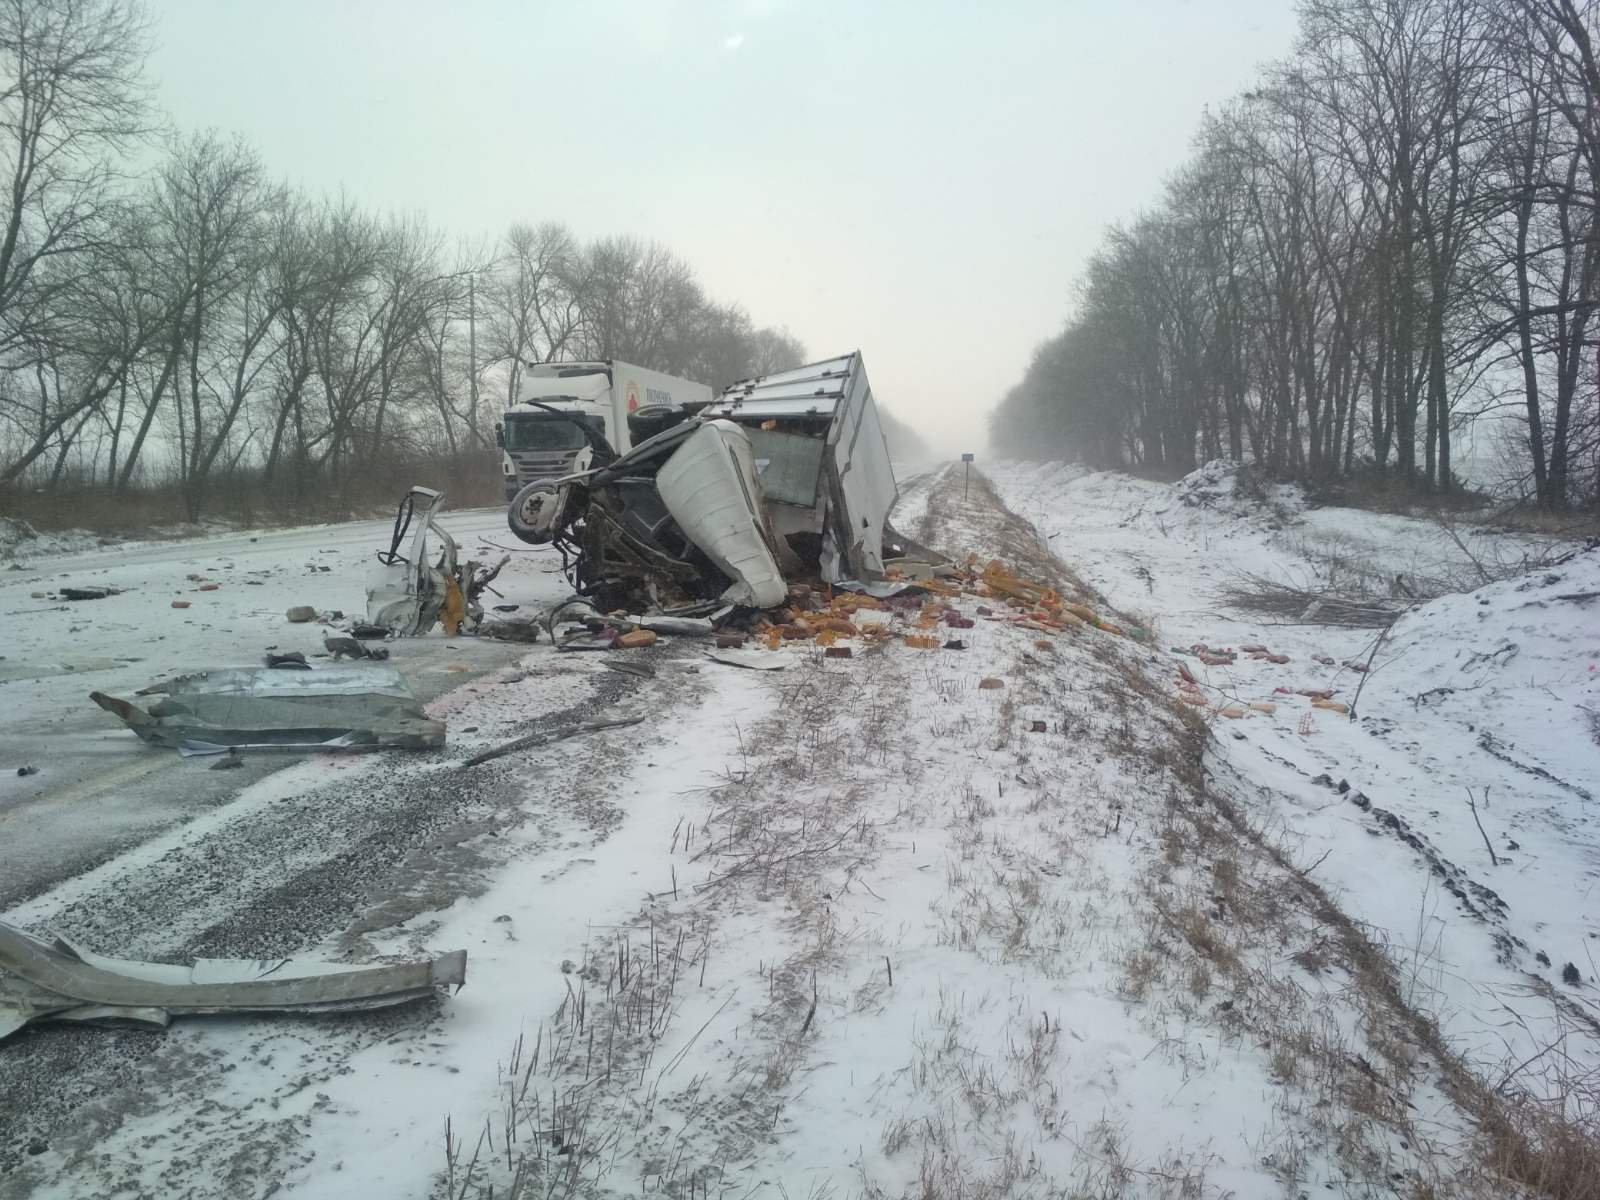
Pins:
x: 546, y: 432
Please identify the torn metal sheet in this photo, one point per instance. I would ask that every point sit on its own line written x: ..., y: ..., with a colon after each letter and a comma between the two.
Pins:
x: 254, y: 708
x: 60, y: 981
x: 406, y: 593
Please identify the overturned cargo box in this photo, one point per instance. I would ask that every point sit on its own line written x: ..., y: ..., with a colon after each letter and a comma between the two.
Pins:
x: 824, y: 465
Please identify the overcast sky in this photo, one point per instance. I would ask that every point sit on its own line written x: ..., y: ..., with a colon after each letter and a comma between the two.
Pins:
x: 919, y: 180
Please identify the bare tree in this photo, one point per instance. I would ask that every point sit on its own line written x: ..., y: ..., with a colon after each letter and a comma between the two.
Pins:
x: 72, y: 100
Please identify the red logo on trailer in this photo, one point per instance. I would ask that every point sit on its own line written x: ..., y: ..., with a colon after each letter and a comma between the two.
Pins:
x: 633, y: 396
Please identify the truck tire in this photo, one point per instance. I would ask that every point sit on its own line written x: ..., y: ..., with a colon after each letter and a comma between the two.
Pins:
x: 531, y: 515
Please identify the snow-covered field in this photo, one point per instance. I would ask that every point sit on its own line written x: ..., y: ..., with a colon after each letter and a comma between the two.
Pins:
x: 1004, y: 920
x: 1492, y: 697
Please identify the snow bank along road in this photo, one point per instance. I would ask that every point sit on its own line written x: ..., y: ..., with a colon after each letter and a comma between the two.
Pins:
x: 1009, y: 919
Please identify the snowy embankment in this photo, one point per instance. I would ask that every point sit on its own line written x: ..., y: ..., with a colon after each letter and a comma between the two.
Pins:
x: 1455, y: 817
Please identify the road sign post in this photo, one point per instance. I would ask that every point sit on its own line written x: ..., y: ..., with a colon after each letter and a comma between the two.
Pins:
x: 966, y: 482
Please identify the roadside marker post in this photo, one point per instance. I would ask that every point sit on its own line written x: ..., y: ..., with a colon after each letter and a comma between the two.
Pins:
x: 966, y: 482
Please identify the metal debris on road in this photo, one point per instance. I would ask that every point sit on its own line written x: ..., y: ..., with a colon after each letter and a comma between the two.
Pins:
x: 750, y: 660
x: 348, y: 647
x: 60, y: 981
x: 407, y: 594
x: 544, y: 739
x: 261, y: 708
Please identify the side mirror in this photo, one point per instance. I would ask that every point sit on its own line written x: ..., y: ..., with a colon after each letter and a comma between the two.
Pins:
x: 500, y: 435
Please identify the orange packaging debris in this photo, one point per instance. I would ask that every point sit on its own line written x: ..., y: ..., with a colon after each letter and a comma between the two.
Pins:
x: 826, y: 638
x: 837, y: 625
x: 773, y: 636
x: 1264, y: 706
x: 918, y: 642
x: 634, y: 639
x: 797, y: 632
x: 1330, y: 705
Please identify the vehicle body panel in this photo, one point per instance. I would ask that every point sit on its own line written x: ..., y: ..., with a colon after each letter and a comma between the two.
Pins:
x: 709, y: 485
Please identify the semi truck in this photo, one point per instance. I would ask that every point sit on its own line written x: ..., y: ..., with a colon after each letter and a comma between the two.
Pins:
x: 561, y: 406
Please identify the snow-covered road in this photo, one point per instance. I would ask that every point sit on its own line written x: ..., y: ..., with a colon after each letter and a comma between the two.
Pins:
x: 98, y: 790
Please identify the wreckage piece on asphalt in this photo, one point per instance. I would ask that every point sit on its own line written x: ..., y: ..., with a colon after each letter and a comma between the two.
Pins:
x: 783, y: 477
x: 406, y: 593
x: 260, y: 708
x: 60, y: 981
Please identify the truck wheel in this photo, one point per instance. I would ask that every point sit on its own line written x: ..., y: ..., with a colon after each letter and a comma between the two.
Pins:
x: 533, y: 510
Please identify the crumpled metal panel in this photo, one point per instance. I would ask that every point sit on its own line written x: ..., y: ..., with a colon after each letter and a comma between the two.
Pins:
x: 359, y: 707
x: 709, y: 486
x: 58, y: 980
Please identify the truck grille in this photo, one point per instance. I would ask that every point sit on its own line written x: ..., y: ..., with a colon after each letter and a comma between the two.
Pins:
x: 541, y: 466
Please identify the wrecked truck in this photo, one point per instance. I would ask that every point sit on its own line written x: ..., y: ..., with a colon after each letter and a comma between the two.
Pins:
x: 781, y: 478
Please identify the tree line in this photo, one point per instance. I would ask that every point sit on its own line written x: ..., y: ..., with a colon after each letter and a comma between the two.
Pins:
x: 1387, y: 241
x: 170, y: 314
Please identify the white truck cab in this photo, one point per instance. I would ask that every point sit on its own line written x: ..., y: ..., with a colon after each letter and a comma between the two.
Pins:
x: 606, y: 396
